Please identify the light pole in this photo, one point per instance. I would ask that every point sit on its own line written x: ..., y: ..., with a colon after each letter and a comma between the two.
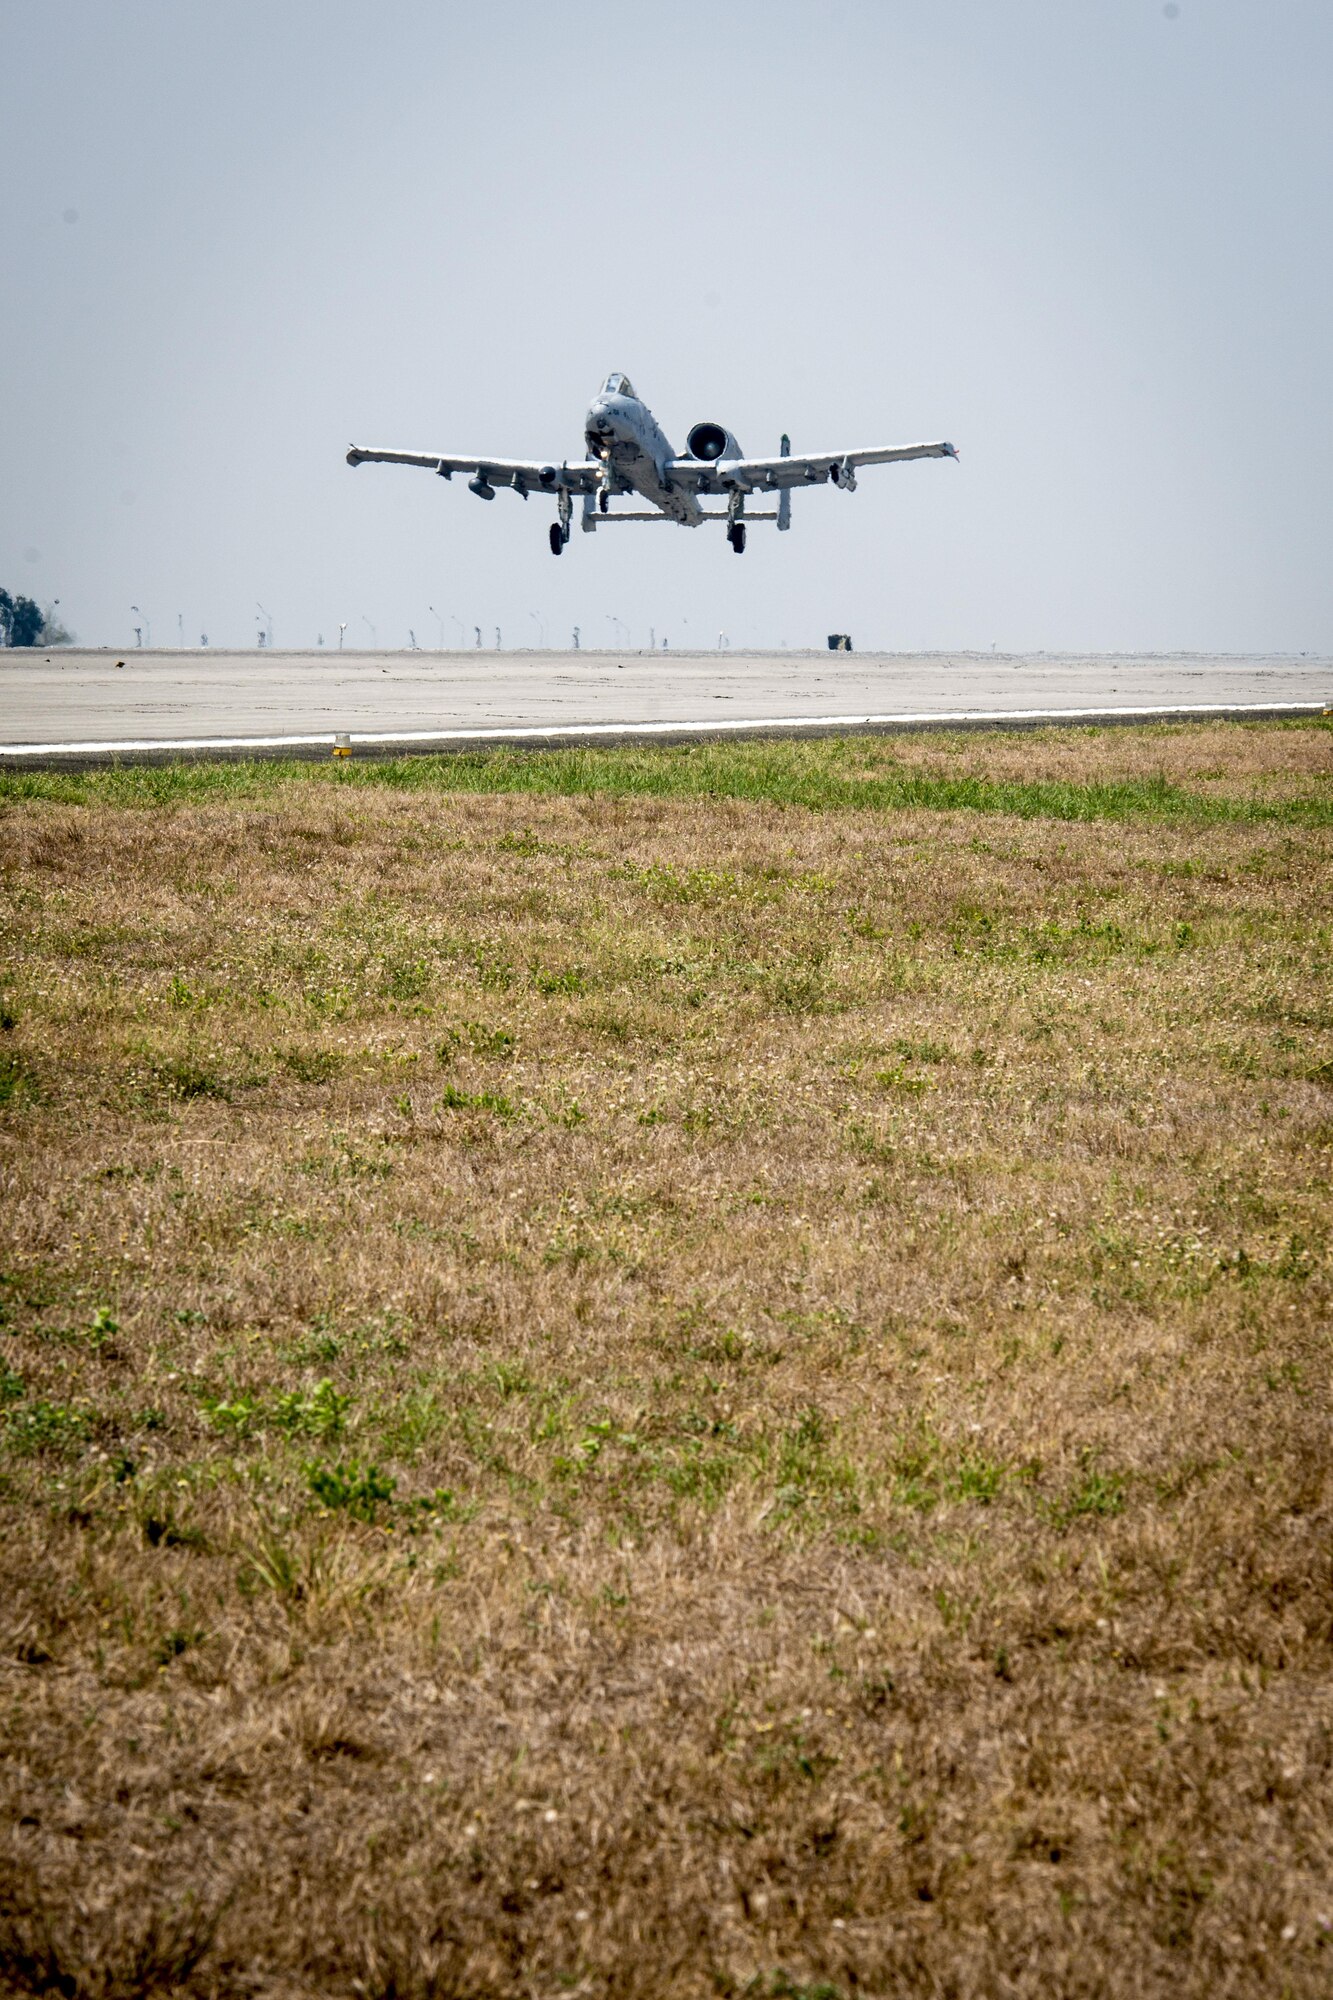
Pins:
x: 342, y: 627
x: 439, y: 621
x: 540, y: 623
x: 374, y: 635
x: 412, y: 638
x: 462, y: 630
x: 497, y: 638
x: 147, y: 623
x: 180, y: 629
x: 268, y: 627
x: 576, y: 638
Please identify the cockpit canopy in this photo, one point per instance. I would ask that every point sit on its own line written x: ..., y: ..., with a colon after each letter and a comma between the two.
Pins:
x: 618, y: 385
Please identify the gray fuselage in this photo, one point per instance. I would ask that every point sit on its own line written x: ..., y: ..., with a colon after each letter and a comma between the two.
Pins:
x: 625, y: 435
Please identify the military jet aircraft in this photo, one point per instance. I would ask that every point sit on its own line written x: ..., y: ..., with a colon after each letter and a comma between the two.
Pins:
x: 629, y: 453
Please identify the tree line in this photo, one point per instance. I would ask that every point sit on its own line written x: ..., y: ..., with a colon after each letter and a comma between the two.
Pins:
x: 24, y: 623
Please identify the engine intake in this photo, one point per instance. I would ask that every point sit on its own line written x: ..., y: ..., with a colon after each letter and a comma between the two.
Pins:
x: 711, y: 442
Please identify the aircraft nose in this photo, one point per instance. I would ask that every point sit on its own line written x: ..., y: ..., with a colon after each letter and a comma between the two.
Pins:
x: 601, y: 421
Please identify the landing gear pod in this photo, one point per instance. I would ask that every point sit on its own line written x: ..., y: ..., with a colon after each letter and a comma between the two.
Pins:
x: 560, y: 526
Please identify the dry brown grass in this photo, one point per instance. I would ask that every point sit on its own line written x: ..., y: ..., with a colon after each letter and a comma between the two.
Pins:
x: 1254, y: 761
x: 669, y: 1397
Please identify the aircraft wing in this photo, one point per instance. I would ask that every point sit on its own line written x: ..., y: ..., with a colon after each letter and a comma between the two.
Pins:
x: 758, y: 475
x: 525, y: 475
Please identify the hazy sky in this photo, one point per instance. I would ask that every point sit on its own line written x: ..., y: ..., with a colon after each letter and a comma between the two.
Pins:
x: 1088, y: 240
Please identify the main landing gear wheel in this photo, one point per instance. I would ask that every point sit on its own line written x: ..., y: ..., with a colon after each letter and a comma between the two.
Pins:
x: 557, y: 538
x: 736, y: 536
x: 604, y: 501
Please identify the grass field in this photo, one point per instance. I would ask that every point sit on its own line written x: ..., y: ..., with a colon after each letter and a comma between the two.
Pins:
x: 695, y: 1372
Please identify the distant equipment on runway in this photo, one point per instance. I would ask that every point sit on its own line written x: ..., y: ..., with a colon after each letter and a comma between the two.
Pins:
x: 628, y: 453
x: 840, y: 642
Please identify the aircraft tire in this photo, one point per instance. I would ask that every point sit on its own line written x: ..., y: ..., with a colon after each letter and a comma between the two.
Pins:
x: 736, y: 536
x: 557, y: 538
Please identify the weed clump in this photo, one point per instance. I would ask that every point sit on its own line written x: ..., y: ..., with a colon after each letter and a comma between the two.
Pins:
x: 352, y: 1488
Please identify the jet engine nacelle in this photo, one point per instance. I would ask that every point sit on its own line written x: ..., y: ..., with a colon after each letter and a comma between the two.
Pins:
x: 711, y: 442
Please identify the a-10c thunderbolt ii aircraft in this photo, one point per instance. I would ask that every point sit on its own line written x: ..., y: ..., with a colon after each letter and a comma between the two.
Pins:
x: 629, y: 453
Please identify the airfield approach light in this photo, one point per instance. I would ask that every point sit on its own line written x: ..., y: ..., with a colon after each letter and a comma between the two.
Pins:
x: 374, y: 635
x: 439, y: 621
x: 268, y: 623
x: 147, y: 622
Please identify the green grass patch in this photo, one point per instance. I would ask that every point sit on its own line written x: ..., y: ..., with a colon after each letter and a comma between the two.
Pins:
x: 358, y: 1490
x: 826, y: 775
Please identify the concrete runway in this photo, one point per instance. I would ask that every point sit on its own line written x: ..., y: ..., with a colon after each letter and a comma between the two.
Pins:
x: 81, y: 707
